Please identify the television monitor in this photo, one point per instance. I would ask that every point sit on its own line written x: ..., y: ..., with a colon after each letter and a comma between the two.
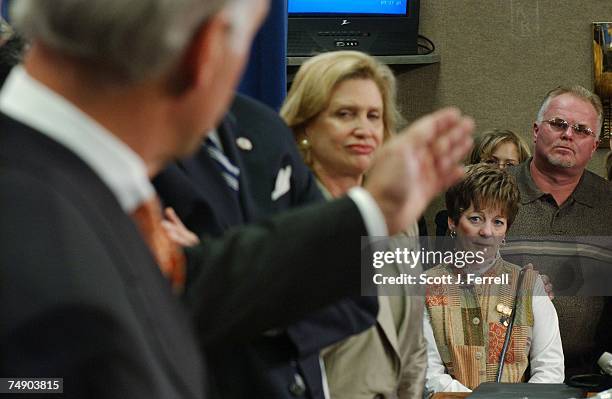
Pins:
x: 377, y: 27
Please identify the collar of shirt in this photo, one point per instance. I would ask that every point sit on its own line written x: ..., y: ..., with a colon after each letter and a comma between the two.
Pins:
x: 583, y: 193
x: 587, y: 190
x: 527, y: 187
x: 120, y: 168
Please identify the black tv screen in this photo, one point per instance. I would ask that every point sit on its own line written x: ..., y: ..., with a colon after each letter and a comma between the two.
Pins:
x: 377, y: 27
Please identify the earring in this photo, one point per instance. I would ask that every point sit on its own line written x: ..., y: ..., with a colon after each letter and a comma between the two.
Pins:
x: 503, y: 242
x: 304, y: 144
x: 304, y: 147
x: 453, y: 234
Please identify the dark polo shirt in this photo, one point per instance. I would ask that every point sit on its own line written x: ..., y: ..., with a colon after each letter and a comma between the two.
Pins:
x: 587, y: 211
x: 571, y: 243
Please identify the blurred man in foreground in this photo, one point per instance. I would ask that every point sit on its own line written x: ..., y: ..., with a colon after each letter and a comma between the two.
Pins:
x: 107, y: 95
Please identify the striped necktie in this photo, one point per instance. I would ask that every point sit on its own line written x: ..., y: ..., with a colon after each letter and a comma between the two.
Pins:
x: 228, y: 170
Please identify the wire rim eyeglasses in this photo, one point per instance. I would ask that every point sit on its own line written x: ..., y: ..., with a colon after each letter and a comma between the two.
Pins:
x: 561, y: 125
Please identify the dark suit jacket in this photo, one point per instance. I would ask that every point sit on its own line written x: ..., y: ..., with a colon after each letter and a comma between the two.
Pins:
x: 82, y: 298
x: 272, y: 365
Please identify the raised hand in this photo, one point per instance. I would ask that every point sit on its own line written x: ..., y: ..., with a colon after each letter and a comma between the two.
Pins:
x: 419, y: 163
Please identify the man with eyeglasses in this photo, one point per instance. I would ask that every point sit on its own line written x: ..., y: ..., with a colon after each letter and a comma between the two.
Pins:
x: 563, y: 207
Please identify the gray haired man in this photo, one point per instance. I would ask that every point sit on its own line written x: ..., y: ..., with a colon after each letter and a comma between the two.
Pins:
x: 563, y: 205
x: 109, y: 92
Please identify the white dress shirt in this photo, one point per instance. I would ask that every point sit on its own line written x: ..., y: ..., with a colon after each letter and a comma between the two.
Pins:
x: 120, y: 168
x: 545, y: 355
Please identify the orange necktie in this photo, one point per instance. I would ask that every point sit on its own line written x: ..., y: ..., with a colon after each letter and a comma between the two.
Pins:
x: 168, y: 254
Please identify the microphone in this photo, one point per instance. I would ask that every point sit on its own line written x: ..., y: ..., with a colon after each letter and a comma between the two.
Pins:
x: 596, y: 381
x: 502, y: 355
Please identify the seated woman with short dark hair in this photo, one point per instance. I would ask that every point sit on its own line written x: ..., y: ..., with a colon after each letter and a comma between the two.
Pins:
x: 466, y: 321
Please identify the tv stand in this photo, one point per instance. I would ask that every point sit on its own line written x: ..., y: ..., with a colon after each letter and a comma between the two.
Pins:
x: 385, y: 59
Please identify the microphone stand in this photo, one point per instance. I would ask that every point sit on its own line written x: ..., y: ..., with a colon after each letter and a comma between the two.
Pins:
x: 502, y: 355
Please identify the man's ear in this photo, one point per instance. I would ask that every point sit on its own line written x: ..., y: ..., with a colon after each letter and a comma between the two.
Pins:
x: 205, y: 53
x: 536, y: 130
x: 595, y: 145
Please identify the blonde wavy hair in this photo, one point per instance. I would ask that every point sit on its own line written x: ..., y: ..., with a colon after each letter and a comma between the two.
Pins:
x: 316, y: 80
x: 486, y: 143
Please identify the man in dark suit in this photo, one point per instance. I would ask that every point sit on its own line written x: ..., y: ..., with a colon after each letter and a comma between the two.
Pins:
x: 281, y: 363
x: 103, y: 101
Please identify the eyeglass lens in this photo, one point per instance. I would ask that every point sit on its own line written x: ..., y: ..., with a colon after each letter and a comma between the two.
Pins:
x: 562, y: 125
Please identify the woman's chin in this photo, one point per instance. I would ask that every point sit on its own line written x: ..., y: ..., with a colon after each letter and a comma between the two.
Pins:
x: 486, y: 247
x: 359, y: 168
x: 363, y: 163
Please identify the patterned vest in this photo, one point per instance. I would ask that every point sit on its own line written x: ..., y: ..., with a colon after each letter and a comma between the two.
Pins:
x: 468, y: 324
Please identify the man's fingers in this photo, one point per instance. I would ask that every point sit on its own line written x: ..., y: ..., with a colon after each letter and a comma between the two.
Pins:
x: 177, y: 231
x: 461, y: 139
x: 548, y: 287
x: 426, y: 129
x: 169, y: 226
x: 455, y: 139
x: 549, y: 290
x: 441, y: 140
x: 172, y: 216
x: 170, y: 229
x: 451, y: 149
x: 457, y: 142
x: 454, y: 175
x: 426, y: 158
x: 445, y: 118
x: 445, y: 133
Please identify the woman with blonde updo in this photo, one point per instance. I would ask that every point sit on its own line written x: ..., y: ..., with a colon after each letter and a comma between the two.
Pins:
x: 499, y: 147
x: 341, y: 107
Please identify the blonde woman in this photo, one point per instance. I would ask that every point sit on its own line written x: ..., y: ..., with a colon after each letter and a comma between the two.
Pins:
x: 341, y: 107
x: 498, y: 147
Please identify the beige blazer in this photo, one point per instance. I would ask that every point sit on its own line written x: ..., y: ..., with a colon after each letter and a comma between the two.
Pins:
x: 388, y: 360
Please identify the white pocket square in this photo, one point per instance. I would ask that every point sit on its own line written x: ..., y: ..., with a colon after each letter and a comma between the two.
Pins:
x: 283, y: 183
